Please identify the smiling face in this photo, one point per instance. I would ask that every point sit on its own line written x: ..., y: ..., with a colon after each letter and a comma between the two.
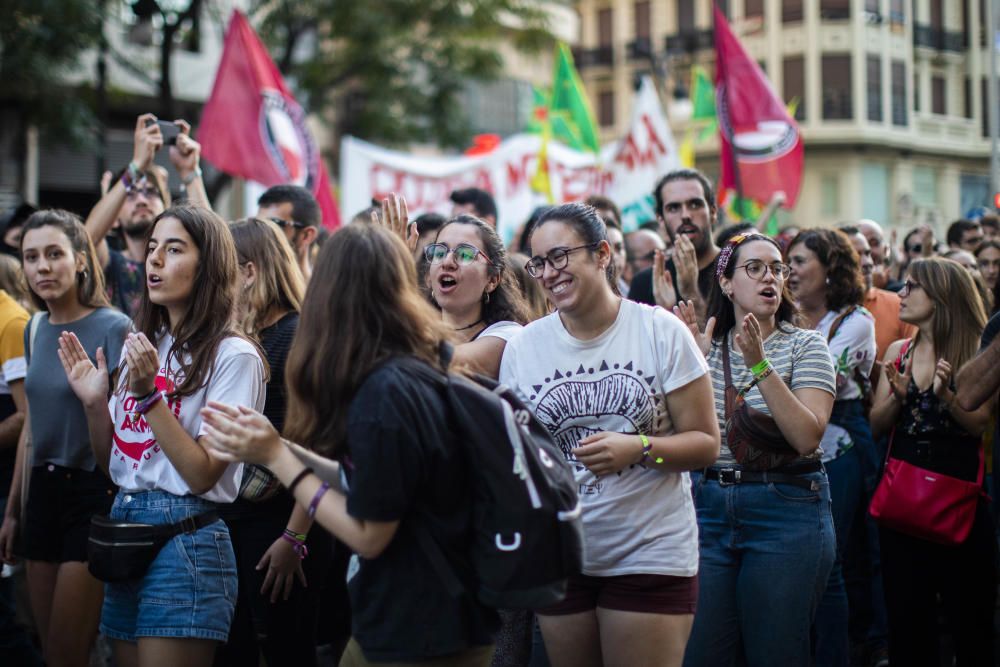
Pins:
x: 760, y: 296
x: 171, y: 267
x: 686, y: 211
x: 808, y: 278
x: 50, y: 265
x: 457, y: 288
x: 573, y: 287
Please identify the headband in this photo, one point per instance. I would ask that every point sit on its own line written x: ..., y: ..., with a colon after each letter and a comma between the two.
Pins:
x: 727, y: 252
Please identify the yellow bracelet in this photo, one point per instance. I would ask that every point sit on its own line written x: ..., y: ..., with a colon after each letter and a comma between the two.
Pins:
x: 647, y: 449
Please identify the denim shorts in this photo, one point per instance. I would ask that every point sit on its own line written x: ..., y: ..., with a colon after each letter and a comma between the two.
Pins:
x: 190, y: 588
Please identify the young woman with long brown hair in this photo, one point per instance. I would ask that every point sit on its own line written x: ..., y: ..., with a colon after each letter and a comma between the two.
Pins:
x: 185, y: 351
x: 928, y: 427
x: 355, y: 398
x: 67, y: 485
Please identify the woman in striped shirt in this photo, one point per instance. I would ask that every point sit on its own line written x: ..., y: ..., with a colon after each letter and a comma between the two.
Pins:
x: 765, y: 529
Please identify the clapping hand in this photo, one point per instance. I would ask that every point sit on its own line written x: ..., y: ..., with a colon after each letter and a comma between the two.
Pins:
x: 686, y: 263
x: 237, y: 433
x: 396, y: 218
x: 664, y: 293
x: 751, y: 341
x: 143, y: 364
x: 90, y: 383
x: 688, y: 315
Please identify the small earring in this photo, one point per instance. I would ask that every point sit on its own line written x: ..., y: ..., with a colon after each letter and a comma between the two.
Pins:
x: 486, y: 297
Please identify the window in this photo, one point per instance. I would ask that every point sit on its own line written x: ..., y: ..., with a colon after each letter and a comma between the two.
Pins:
x: 642, y: 20
x: 874, y: 81
x: 753, y: 8
x: 897, y: 11
x: 606, y: 108
x: 834, y: 9
x: 925, y: 186
x: 984, y: 105
x: 916, y: 92
x: 791, y: 11
x: 939, y: 100
x: 967, y: 107
x: 837, y: 100
x: 899, y: 93
x: 793, y: 75
x: 937, y: 14
x: 830, y: 195
x: 872, y: 6
x: 685, y: 15
x: 605, y: 27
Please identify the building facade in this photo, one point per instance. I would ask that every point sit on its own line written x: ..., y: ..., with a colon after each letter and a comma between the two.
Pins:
x: 891, y: 94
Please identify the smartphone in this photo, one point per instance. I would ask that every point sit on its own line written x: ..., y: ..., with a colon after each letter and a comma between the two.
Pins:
x: 169, y: 131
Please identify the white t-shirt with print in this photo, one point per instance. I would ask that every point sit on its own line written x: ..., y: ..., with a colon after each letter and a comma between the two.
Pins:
x: 640, y: 520
x: 137, y: 461
x: 504, y: 330
x: 852, y: 346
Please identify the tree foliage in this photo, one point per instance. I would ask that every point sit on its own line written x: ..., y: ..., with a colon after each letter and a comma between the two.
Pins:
x: 394, y: 70
x: 40, y: 41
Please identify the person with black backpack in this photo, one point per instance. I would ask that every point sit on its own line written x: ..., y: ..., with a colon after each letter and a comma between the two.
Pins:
x: 363, y: 388
x: 625, y: 392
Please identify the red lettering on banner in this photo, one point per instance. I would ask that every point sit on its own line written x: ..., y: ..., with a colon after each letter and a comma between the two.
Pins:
x: 632, y: 157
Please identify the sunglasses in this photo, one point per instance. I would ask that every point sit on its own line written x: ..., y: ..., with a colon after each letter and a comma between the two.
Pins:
x: 288, y: 223
x: 465, y: 253
x: 908, y: 286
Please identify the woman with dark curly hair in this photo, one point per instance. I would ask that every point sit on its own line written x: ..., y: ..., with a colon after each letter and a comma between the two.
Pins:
x: 827, y: 283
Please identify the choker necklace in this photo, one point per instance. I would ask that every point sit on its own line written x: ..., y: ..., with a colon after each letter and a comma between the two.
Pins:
x: 479, y: 321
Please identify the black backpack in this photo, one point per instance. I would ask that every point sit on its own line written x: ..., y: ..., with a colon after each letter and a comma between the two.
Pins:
x: 527, y: 532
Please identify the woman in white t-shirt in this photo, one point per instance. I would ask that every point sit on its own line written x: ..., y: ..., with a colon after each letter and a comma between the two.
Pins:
x: 625, y: 392
x: 185, y: 352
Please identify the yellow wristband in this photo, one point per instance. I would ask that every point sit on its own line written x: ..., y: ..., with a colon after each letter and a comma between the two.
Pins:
x: 647, y: 449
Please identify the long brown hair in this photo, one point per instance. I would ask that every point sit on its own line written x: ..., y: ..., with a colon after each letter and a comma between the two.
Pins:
x: 90, y: 282
x: 279, y: 284
x: 363, y: 306
x: 208, y: 318
x: 959, y: 314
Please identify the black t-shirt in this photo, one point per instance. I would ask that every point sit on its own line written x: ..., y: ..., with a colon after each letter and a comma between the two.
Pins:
x: 641, y: 289
x: 404, y: 464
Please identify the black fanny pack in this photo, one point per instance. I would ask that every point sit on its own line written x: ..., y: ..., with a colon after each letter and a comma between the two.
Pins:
x: 123, y: 551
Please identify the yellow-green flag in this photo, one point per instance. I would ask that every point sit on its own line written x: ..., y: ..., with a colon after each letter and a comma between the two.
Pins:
x: 570, y: 115
x: 702, y: 95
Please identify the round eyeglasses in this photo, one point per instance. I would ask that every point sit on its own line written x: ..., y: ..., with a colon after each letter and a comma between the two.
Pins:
x: 756, y: 268
x: 558, y: 259
x: 465, y: 253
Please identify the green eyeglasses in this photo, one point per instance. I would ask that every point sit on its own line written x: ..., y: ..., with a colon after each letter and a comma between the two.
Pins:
x: 465, y: 253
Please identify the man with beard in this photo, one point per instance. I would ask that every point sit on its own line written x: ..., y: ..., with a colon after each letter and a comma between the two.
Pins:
x: 138, y: 195
x: 296, y: 211
x: 687, y: 213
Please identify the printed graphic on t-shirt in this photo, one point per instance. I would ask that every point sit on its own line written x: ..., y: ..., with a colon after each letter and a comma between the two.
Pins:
x: 617, y: 396
x: 133, y: 437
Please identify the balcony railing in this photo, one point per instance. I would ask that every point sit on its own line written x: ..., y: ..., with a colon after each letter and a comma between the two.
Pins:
x: 690, y: 41
x: 640, y: 48
x: 938, y: 38
x: 596, y: 57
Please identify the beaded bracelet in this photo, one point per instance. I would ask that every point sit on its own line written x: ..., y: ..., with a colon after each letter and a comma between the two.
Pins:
x: 323, y: 488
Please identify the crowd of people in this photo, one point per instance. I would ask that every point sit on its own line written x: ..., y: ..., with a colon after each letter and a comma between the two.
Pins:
x: 227, y: 442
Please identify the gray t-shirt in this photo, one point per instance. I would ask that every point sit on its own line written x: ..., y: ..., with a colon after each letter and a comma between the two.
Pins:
x: 59, y: 431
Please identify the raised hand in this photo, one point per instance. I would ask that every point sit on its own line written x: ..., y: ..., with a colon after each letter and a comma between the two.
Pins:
x: 898, y: 382
x: 396, y: 218
x: 686, y: 262
x: 90, y: 383
x: 186, y: 154
x: 750, y: 341
x: 143, y: 364
x: 664, y: 293
x: 605, y: 452
x: 942, y: 381
x: 685, y: 310
x: 148, y: 140
x: 239, y: 434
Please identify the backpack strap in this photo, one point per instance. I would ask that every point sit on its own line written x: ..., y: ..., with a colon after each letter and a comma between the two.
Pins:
x: 862, y: 381
x: 904, y: 351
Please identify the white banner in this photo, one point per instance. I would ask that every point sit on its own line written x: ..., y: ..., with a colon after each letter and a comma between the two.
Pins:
x: 625, y: 171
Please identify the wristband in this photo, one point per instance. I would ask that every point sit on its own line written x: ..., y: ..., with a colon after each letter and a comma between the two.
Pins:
x: 301, y: 537
x: 298, y: 478
x: 320, y: 492
x: 133, y: 171
x: 647, y: 450
x: 145, y: 397
x: 144, y: 406
x: 189, y: 179
x: 761, y: 367
x: 298, y: 547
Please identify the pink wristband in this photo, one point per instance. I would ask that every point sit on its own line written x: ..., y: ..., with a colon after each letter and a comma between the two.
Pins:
x: 324, y: 487
x: 298, y: 547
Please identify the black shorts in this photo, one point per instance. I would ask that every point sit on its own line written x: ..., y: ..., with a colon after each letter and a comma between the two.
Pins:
x: 60, y: 504
x: 643, y: 593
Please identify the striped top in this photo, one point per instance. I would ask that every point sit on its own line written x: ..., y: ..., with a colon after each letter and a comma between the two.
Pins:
x: 799, y: 356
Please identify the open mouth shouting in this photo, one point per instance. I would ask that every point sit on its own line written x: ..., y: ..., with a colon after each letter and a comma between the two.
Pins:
x: 447, y: 283
x: 769, y: 294
x: 153, y: 281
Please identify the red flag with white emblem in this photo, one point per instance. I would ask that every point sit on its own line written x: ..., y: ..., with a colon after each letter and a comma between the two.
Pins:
x: 252, y: 126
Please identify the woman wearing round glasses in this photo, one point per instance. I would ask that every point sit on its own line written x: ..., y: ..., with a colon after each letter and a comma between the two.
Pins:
x: 828, y: 286
x: 928, y: 428
x: 765, y: 531
x: 623, y: 389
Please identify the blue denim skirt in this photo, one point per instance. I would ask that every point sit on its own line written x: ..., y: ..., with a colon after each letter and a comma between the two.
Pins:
x: 190, y: 588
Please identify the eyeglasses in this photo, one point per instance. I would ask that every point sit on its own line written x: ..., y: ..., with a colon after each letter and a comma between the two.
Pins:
x: 558, y: 259
x: 288, y: 223
x: 915, y: 248
x: 465, y: 253
x: 908, y: 286
x: 148, y: 193
x: 756, y: 269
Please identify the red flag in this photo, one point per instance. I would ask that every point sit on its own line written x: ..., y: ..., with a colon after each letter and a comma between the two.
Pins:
x: 761, y: 145
x: 252, y: 126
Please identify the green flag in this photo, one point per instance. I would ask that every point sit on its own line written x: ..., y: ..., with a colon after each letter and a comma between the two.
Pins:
x: 570, y: 115
x: 702, y: 95
x: 539, y: 121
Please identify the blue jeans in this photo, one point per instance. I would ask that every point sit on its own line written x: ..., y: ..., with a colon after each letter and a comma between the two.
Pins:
x: 766, y: 553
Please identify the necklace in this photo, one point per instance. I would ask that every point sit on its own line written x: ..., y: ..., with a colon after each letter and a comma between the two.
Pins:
x: 479, y: 321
